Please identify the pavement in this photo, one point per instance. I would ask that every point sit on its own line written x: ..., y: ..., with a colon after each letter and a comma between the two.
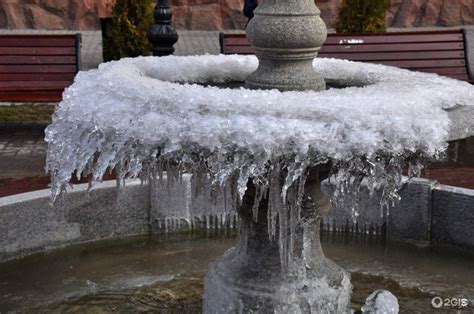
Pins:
x: 22, y: 149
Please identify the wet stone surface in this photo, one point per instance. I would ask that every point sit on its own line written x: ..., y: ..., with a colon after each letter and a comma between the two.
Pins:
x: 177, y: 296
x: 163, y: 274
x: 184, y: 296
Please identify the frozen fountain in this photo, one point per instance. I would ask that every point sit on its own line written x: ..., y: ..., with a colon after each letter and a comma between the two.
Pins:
x: 268, y: 150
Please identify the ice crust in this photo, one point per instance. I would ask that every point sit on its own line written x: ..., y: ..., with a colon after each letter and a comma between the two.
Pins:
x: 145, y: 115
x: 381, y: 302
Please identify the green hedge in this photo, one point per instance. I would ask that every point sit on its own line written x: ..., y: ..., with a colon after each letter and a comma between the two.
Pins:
x: 127, y: 31
x: 362, y: 16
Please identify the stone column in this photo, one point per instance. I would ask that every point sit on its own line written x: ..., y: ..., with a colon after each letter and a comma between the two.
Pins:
x: 250, y: 278
x: 286, y: 35
x: 287, y: 274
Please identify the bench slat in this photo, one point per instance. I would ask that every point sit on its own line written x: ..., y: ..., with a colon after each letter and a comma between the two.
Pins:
x: 434, y: 52
x: 411, y: 55
x: 32, y: 96
x: 386, y: 38
x: 393, y: 38
x: 457, y: 47
x: 239, y: 50
x: 236, y: 40
x: 38, y: 77
x: 26, y: 60
x: 37, y: 51
x: 37, y: 41
x: 420, y: 64
x: 394, y: 47
x: 33, y: 85
x: 38, y: 69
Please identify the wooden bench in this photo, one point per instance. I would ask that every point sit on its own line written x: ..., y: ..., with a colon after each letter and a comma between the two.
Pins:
x: 37, y: 68
x: 441, y: 52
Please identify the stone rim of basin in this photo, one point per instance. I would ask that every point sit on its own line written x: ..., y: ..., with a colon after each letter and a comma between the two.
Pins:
x: 126, y: 78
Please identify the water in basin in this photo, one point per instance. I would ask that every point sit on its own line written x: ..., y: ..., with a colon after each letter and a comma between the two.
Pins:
x: 165, y: 272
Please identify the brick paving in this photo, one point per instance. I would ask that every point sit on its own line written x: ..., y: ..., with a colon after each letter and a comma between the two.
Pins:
x: 22, y: 152
x: 197, y: 43
x: 22, y: 149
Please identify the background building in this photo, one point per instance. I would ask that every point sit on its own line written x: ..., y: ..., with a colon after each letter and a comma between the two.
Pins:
x: 218, y: 14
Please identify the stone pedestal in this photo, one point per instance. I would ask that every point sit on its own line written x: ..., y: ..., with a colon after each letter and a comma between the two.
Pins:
x: 286, y: 36
x: 288, y: 273
x: 250, y: 277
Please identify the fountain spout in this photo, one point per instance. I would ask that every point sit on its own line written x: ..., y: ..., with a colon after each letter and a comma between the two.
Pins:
x: 286, y: 36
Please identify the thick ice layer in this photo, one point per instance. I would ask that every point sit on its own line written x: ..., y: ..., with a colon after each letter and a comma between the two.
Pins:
x: 146, y: 114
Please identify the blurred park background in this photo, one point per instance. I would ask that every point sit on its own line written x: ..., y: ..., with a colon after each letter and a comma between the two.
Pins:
x: 219, y: 14
x: 22, y: 149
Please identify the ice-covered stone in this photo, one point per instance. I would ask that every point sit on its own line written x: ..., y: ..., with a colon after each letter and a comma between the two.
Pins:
x: 148, y: 114
x: 144, y: 116
x: 381, y: 302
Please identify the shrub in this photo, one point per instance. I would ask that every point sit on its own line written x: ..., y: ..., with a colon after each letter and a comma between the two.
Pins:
x: 362, y: 16
x: 127, y: 30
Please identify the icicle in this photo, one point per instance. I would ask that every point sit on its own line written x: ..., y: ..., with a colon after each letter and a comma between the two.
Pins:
x: 275, y: 203
x: 283, y: 235
x: 260, y: 192
x: 90, y: 185
x: 166, y: 224
x: 160, y: 172
x: 293, y: 209
x: 415, y: 166
x: 300, y: 193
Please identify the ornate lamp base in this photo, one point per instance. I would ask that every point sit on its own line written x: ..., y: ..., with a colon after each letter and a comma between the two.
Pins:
x: 162, y: 35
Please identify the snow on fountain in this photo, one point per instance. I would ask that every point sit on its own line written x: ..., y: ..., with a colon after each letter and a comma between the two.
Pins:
x: 140, y: 114
x: 145, y: 115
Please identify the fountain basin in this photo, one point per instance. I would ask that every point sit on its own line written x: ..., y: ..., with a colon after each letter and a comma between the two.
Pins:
x: 231, y: 140
x: 153, y: 273
x: 428, y: 213
x: 144, y: 113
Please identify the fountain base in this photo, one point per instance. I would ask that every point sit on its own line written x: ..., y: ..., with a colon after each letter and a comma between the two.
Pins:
x: 285, y: 75
x: 234, y: 286
x: 286, y: 37
x: 285, y: 274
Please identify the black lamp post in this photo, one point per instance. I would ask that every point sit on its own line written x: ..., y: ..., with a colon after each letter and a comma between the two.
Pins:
x: 162, y: 34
